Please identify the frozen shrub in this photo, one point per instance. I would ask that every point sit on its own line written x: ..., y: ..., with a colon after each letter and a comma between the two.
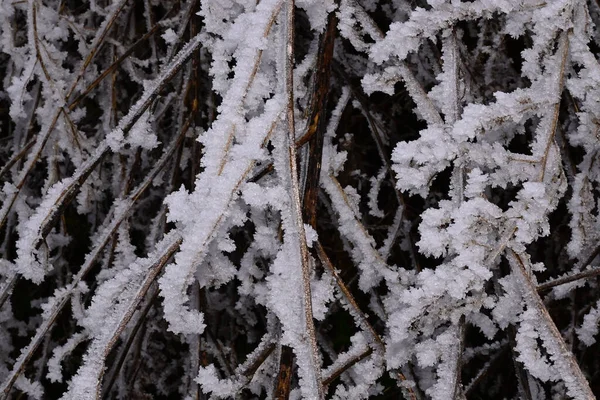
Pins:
x: 314, y: 199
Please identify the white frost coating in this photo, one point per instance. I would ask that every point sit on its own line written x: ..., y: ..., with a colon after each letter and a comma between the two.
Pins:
x: 169, y: 36
x: 322, y: 292
x: 373, y: 267
x: 376, y: 182
x: 425, y: 24
x: 18, y: 94
x: 472, y: 232
x: 228, y: 388
x: 384, y: 82
x: 200, y: 213
x: 359, y: 381
x: 285, y: 281
x: 218, y: 388
x: 529, y: 352
x: 536, y: 323
x: 450, y: 350
x: 589, y: 328
x: 509, y: 305
x: 112, y: 307
x: 142, y: 134
x: 498, y: 200
x: 230, y: 147
x: 311, y: 235
x: 54, y: 368
x: 354, y: 24
x: 33, y: 389
x: 317, y: 11
x: 585, y: 87
x: 30, y: 261
x: 151, y: 88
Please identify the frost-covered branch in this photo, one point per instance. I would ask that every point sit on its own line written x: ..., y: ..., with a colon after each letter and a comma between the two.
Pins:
x: 343, y: 199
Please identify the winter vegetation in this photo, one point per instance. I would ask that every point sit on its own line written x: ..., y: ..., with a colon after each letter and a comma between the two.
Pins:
x: 299, y: 199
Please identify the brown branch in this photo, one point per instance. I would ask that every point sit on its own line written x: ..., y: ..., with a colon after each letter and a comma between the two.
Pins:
x: 361, y: 317
x: 352, y: 361
x: 572, y: 278
x: 317, y: 124
x: 94, y: 50
x: 284, y: 376
x: 564, y: 49
x: 113, y: 66
x: 15, y: 158
x: 590, y: 273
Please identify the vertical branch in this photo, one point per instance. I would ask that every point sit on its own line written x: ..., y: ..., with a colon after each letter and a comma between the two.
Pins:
x: 284, y: 375
x: 317, y: 120
x: 296, y: 201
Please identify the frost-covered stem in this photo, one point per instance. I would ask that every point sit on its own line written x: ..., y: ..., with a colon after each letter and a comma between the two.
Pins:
x: 452, y: 111
x: 257, y: 358
x: 95, y: 46
x: 148, y: 18
x: 230, y: 387
x: 524, y: 379
x: 360, y: 317
x: 27, y: 352
x: 457, y: 360
x: 55, y: 201
x: 113, y: 67
x: 120, y: 359
x: 485, y: 369
x: 33, y: 158
x: 563, y: 51
x: 195, y: 343
x: 7, y: 287
x: 61, y: 300
x: 423, y: 102
x: 354, y: 229
x: 415, y: 89
x: 87, y: 383
x: 19, y: 155
x: 451, y: 106
x: 338, y: 368
x: 33, y: 36
x: 43, y: 136
x: 191, y: 9
x: 590, y: 273
x: 418, y: 94
x: 296, y: 202
x: 577, y: 385
x: 406, y: 373
x: 376, y: 134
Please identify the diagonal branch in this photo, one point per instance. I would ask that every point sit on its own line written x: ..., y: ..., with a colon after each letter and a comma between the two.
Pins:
x: 577, y: 385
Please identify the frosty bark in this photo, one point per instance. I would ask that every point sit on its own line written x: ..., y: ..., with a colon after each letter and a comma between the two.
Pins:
x: 297, y: 204
x: 577, y: 385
